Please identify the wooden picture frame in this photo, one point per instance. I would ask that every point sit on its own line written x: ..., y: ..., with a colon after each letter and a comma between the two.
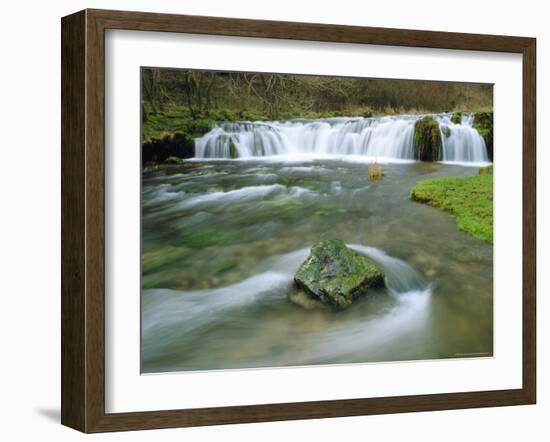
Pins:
x: 83, y: 220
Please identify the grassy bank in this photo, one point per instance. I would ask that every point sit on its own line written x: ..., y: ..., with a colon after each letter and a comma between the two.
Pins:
x: 468, y: 199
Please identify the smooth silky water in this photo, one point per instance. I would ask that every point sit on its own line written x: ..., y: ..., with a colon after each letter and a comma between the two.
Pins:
x: 222, y: 239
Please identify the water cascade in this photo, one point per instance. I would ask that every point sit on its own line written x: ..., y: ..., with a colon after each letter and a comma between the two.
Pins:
x: 461, y: 142
x: 387, y: 138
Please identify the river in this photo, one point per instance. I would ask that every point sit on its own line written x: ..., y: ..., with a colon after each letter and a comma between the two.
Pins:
x: 222, y: 239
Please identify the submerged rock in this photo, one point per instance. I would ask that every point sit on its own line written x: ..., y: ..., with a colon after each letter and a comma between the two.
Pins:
x: 336, y: 275
x: 173, y: 160
x: 427, y: 140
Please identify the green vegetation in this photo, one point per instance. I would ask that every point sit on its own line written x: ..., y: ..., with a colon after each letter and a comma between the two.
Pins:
x: 456, y: 118
x: 468, y: 199
x: 165, y: 123
x: 335, y: 274
x: 173, y: 160
x: 427, y: 140
x: 283, y: 96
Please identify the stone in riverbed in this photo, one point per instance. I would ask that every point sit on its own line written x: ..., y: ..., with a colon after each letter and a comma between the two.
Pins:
x: 336, y: 275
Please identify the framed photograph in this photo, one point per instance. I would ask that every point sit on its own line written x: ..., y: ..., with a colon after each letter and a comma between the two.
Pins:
x: 269, y: 220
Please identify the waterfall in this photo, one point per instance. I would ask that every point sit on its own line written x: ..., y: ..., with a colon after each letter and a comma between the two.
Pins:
x: 461, y: 142
x: 387, y: 138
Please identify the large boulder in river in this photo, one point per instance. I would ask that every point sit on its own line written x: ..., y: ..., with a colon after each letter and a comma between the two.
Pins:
x: 336, y: 275
x: 427, y: 140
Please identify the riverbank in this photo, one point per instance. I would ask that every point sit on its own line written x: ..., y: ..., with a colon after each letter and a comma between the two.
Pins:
x: 468, y: 199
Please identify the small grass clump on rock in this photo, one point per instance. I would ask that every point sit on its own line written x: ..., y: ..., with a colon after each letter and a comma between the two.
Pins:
x: 375, y: 172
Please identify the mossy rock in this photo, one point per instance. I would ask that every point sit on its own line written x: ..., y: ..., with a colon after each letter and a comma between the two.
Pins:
x: 173, y: 160
x: 336, y: 275
x: 159, y: 150
x: 483, y: 123
x: 456, y: 118
x: 427, y: 140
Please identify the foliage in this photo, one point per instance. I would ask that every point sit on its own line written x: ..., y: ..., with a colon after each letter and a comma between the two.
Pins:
x: 227, y: 96
x: 167, y: 123
x: 468, y: 199
x: 456, y: 118
x: 173, y: 160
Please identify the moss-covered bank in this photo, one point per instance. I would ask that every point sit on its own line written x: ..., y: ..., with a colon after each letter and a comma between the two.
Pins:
x: 468, y: 199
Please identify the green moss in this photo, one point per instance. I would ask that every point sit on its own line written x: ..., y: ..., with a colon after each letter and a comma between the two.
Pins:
x: 336, y: 274
x: 173, y: 160
x: 427, y: 139
x: 167, y: 123
x: 250, y: 116
x: 468, y: 199
x: 456, y: 118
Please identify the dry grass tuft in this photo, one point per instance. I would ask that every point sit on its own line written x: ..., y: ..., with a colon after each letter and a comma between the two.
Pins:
x: 375, y: 172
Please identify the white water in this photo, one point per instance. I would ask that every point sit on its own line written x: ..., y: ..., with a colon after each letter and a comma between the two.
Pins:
x: 381, y: 138
x: 169, y: 314
x: 463, y: 143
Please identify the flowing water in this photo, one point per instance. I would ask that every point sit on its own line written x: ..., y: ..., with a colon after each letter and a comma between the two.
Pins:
x: 222, y: 239
x: 378, y: 138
